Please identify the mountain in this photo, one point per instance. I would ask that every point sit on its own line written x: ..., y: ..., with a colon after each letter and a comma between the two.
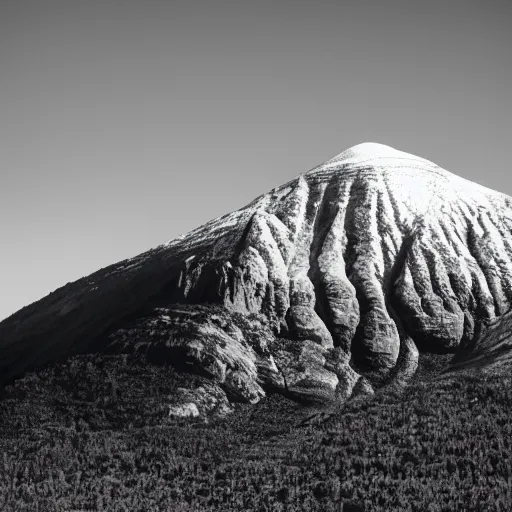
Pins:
x: 322, y: 289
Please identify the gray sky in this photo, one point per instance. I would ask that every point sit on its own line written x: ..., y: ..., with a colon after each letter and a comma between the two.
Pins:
x: 124, y: 124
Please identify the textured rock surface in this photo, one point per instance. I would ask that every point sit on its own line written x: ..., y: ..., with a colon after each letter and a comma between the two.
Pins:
x: 491, y: 351
x: 363, y: 258
x: 203, y: 401
x: 227, y: 348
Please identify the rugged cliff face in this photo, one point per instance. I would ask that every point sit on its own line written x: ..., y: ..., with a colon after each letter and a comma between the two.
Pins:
x: 351, y: 267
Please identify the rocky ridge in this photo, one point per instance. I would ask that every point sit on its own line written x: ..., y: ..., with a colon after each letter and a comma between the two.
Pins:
x: 352, y: 266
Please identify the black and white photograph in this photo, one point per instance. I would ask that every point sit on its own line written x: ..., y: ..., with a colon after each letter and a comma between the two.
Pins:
x: 256, y: 256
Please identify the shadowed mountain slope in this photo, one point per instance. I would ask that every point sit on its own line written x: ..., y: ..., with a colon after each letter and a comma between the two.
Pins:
x: 351, y: 267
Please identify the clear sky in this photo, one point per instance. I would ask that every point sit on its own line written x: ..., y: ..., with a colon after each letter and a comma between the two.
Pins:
x: 126, y: 123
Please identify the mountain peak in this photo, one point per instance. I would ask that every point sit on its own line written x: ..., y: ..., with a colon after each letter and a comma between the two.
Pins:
x: 346, y: 270
x: 371, y: 152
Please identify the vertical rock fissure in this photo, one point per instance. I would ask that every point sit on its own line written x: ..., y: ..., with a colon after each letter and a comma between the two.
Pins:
x: 475, y: 252
x: 302, y: 317
x: 323, y: 224
x: 406, y: 364
x: 349, y: 227
x: 376, y: 341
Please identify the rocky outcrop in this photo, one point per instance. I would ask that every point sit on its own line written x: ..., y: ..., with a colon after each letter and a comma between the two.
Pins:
x: 354, y: 264
x: 238, y: 353
x: 227, y: 348
x: 202, y: 401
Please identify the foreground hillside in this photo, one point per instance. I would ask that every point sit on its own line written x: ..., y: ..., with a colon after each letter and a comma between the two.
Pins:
x: 94, y: 434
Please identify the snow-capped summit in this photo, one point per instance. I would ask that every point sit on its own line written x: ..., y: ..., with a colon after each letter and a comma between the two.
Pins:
x: 372, y: 152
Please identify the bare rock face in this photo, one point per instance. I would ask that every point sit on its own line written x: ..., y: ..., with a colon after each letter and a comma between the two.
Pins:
x: 354, y: 264
x: 228, y: 348
x: 303, y: 367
